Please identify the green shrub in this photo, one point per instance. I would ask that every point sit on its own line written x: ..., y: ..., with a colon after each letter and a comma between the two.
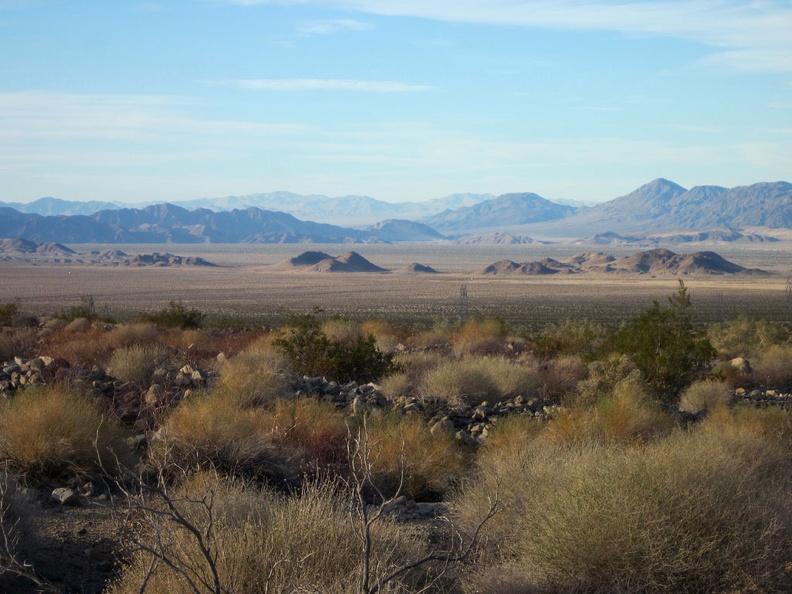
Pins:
x: 746, y: 337
x: 85, y: 309
x: 51, y: 433
x: 177, y: 315
x: 8, y: 312
x: 311, y: 352
x: 581, y: 338
x: 666, y: 347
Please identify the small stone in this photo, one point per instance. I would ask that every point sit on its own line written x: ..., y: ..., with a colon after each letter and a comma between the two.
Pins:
x: 154, y: 395
x: 444, y: 425
x: 65, y: 496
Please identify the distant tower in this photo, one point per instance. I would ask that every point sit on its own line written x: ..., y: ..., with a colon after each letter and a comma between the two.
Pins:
x: 788, y: 293
x: 464, y: 304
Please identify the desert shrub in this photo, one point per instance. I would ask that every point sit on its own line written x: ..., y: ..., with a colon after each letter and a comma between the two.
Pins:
x: 582, y: 338
x: 256, y: 376
x: 51, y: 433
x: 125, y: 335
x: 137, y: 363
x: 85, y: 347
x: 22, y: 342
x: 558, y: 378
x: 603, y: 377
x: 746, y: 337
x: 78, y: 325
x: 704, y: 395
x: 85, y: 309
x: 773, y: 367
x: 474, y: 380
x: 311, y: 352
x: 626, y: 416
x: 314, y: 428
x: 386, y: 336
x: 395, y: 385
x: 480, y: 336
x: 8, y: 312
x: 773, y: 424
x: 666, y: 347
x: 213, y: 432
x: 265, y: 542
x: 431, y: 463
x: 696, y: 512
x: 177, y: 315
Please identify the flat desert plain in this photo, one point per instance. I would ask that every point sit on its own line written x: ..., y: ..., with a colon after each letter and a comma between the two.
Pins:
x: 248, y: 283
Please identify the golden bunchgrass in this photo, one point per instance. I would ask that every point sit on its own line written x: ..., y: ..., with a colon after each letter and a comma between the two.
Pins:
x: 52, y: 433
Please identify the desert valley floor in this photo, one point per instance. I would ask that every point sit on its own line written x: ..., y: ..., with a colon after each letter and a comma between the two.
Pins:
x: 248, y: 282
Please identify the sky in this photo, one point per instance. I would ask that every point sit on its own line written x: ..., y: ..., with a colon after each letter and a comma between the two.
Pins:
x: 132, y: 101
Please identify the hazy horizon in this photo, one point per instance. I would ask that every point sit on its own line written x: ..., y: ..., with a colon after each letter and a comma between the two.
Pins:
x: 140, y: 102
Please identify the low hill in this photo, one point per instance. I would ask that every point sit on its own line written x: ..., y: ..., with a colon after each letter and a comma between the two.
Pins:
x: 401, y: 230
x: 656, y: 261
x: 321, y: 262
x: 498, y: 239
x: 416, y: 268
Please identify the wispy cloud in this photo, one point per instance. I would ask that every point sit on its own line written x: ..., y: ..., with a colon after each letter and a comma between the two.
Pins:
x: 750, y: 35
x: 318, y: 84
x: 328, y: 27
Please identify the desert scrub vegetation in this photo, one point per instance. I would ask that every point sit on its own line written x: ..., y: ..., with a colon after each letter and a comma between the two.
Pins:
x: 665, y: 345
x: 137, y: 363
x: 581, y: 338
x: 177, y: 315
x: 350, y: 358
x: 473, y: 380
x: 694, y: 512
x: 480, y: 336
x: 406, y: 458
x: 705, y: 395
x: 746, y: 337
x: 52, y: 433
x: 258, y: 375
x: 244, y: 539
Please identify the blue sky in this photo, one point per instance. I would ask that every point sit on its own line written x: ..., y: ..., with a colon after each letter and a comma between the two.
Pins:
x: 399, y: 100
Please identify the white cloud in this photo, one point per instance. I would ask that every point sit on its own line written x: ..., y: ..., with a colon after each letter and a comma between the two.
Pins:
x: 317, y: 84
x: 329, y: 27
x: 749, y: 34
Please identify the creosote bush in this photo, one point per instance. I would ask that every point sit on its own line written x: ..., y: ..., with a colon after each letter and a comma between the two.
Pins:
x: 51, y: 433
x: 177, y: 315
x: 311, y: 352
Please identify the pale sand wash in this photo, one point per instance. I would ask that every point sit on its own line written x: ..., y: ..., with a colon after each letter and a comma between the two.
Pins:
x: 249, y: 284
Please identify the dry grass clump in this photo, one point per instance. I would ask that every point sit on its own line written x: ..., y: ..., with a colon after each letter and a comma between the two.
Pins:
x: 314, y: 428
x: 265, y: 542
x: 86, y: 347
x: 256, y: 376
x: 705, y: 395
x: 137, y: 363
x: 388, y: 338
x: 125, y: 335
x: 691, y: 513
x: 474, y: 380
x: 18, y: 342
x: 212, y: 431
x: 340, y: 330
x: 626, y: 416
x: 480, y: 337
x: 773, y: 424
x: 559, y: 378
x: 430, y: 464
x: 773, y: 367
x: 51, y: 433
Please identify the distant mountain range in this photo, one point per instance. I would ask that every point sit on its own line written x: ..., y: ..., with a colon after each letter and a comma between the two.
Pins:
x: 658, y: 212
